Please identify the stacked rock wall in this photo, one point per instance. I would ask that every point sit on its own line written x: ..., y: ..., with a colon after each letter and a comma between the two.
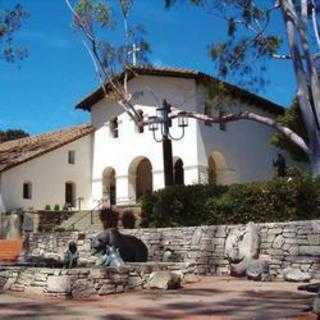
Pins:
x: 81, y: 282
x: 295, y: 244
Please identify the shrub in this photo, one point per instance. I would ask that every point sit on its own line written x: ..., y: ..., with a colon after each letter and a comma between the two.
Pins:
x: 47, y: 207
x: 109, y: 218
x: 56, y: 207
x: 280, y: 199
x: 128, y: 219
x: 179, y: 205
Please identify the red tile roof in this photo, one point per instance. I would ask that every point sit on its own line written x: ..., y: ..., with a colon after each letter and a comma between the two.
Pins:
x: 237, y: 92
x: 13, y: 153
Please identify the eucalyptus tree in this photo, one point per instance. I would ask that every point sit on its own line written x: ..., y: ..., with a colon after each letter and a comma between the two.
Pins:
x: 97, y: 22
x: 11, y: 20
x: 251, y: 38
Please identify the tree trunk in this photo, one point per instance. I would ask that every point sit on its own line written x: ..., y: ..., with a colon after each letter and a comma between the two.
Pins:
x: 315, y: 161
x: 305, y: 82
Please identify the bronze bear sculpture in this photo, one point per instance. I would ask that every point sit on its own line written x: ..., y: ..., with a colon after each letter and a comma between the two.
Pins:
x: 131, y: 249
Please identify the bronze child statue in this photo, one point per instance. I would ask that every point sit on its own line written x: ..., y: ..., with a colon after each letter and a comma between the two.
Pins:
x: 71, y: 256
x: 112, y: 258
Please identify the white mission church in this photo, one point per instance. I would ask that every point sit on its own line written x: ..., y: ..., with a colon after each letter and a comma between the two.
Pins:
x: 113, y: 158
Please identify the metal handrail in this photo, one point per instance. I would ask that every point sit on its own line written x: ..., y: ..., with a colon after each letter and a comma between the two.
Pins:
x: 100, y: 202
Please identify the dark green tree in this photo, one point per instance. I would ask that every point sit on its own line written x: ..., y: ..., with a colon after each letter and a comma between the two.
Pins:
x: 12, y: 134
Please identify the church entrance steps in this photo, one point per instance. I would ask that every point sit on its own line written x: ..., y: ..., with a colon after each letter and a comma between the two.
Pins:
x: 82, y: 221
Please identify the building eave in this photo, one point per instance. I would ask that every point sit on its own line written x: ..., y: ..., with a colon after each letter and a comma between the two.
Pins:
x: 242, y: 94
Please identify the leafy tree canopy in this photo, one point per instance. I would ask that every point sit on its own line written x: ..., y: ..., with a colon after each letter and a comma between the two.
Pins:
x: 96, y: 19
x: 248, y: 39
x: 11, y: 21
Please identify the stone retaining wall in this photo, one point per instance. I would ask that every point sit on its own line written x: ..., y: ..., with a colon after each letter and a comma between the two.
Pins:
x: 295, y: 244
x: 81, y: 282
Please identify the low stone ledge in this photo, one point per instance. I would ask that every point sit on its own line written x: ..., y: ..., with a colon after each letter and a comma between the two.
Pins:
x: 82, y: 282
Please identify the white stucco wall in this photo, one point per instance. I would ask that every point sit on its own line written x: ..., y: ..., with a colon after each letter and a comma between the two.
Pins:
x: 119, y: 153
x: 48, y: 175
x: 244, y: 147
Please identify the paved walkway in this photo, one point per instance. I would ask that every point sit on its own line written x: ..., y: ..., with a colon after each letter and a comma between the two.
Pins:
x: 211, y: 298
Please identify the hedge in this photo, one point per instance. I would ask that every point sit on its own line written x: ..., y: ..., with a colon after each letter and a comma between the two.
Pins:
x: 280, y: 199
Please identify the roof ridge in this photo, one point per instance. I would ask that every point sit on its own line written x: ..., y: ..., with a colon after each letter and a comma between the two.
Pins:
x: 241, y: 93
x: 16, y: 152
x: 45, y: 134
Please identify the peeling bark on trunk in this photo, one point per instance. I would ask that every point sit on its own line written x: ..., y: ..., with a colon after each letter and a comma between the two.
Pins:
x: 308, y: 92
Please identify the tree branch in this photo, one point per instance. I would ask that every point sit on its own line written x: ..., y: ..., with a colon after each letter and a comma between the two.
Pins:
x: 104, y: 75
x: 291, y: 135
x: 315, y: 22
x: 282, y: 56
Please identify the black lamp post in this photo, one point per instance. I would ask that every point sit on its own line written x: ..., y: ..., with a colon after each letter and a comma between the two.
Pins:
x: 163, y: 120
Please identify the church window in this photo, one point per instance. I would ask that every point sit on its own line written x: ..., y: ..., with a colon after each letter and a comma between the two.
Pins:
x: 207, y: 112
x: 70, y: 194
x: 27, y: 190
x: 140, y: 129
x: 114, y: 127
x: 222, y: 125
x: 178, y: 172
x: 71, y: 157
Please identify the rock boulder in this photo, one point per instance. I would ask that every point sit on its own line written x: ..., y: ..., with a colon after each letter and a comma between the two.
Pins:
x: 59, y: 284
x: 258, y: 270
x: 295, y: 275
x: 164, y: 280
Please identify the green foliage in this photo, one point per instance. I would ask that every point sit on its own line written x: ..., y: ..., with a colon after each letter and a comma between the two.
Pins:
x: 11, y: 21
x: 47, y: 207
x: 91, y: 12
x: 126, y: 6
x: 179, y: 205
x: 276, y: 200
x: 96, y: 20
x: 12, y: 134
x: 56, y: 207
x: 293, y: 120
x: 128, y: 219
x: 170, y: 3
x: 249, y: 41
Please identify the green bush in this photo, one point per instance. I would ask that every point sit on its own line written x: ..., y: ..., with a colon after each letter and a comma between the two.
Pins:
x: 47, y: 207
x: 56, y: 207
x: 179, y: 205
x: 128, y: 219
x: 280, y: 199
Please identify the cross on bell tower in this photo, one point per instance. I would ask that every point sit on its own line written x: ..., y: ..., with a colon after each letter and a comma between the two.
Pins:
x: 134, y: 52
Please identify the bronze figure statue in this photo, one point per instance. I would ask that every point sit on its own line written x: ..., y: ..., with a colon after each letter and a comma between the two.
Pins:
x: 131, y: 249
x: 71, y: 256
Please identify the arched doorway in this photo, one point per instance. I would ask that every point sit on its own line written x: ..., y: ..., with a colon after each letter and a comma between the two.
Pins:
x: 217, y: 169
x: 140, y: 178
x: 178, y: 171
x: 109, y: 185
x: 212, y: 170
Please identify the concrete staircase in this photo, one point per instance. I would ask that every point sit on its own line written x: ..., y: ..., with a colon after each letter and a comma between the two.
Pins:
x: 92, y: 221
x: 88, y: 221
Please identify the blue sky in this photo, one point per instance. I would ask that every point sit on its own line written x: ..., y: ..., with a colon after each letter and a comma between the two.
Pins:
x: 40, y: 95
